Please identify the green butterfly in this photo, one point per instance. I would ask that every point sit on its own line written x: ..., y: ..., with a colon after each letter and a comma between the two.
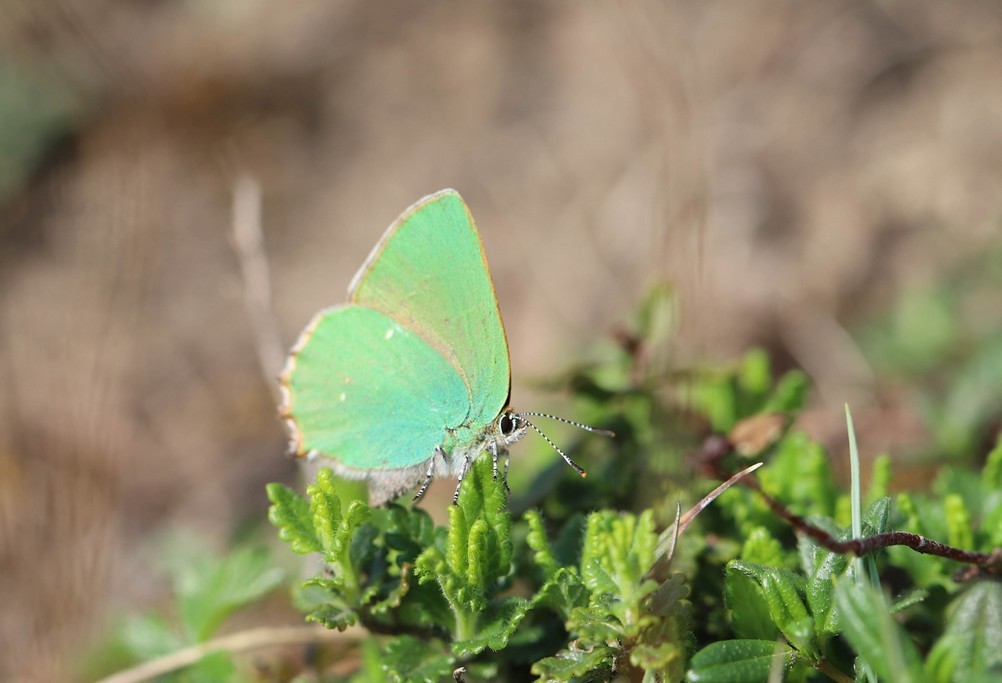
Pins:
x: 411, y: 378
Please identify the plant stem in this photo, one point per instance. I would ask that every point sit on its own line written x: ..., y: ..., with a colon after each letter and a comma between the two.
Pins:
x: 466, y: 623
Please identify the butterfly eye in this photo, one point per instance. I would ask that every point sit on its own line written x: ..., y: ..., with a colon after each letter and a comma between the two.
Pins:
x: 507, y: 424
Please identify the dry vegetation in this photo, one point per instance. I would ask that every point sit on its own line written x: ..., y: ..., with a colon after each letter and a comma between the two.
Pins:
x: 789, y: 166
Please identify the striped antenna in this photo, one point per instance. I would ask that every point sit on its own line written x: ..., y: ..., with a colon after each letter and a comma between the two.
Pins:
x: 567, y: 458
x: 579, y: 425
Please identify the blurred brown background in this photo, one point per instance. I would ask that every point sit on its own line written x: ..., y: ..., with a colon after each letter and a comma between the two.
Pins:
x: 790, y: 167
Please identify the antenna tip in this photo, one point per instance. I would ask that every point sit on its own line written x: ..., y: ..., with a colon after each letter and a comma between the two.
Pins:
x: 583, y: 474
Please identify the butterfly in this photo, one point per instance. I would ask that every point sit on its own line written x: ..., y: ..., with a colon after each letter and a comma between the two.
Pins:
x: 411, y: 378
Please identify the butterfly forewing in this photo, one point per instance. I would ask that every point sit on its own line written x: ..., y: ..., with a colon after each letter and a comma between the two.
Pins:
x: 430, y: 275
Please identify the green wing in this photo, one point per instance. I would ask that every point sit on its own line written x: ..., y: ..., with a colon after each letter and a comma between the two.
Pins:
x: 429, y: 274
x: 367, y: 391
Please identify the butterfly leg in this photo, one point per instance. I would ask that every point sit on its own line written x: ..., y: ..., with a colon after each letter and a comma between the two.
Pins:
x: 462, y: 474
x: 429, y: 475
x: 507, y: 463
x: 493, y: 448
x: 495, y: 454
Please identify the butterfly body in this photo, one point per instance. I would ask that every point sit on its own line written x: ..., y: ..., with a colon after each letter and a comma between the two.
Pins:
x: 410, y: 379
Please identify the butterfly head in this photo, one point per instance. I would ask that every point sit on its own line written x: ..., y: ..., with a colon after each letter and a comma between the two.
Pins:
x: 510, y: 427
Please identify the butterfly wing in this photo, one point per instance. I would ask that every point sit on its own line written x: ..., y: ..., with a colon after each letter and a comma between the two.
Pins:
x: 364, y: 389
x: 429, y: 273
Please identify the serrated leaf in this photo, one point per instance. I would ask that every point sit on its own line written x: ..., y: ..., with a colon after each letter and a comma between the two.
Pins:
x: 573, y: 664
x: 593, y: 623
x: 971, y: 643
x: 325, y: 507
x: 618, y: 552
x: 876, y: 637
x: 291, y: 514
x: 410, y: 660
x: 495, y: 627
x: 669, y: 596
x: 739, y: 661
x: 537, y: 541
x: 334, y: 614
x: 563, y: 592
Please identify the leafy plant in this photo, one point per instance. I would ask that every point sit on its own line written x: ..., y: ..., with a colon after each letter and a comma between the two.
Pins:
x: 593, y: 579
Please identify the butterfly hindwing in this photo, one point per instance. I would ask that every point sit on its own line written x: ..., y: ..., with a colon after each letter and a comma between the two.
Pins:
x: 430, y: 275
x: 364, y: 389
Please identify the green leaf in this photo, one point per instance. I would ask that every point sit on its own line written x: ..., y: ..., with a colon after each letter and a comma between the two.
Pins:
x: 563, y: 592
x: 971, y: 643
x: 780, y: 590
x: 291, y: 514
x: 789, y: 395
x: 750, y: 615
x: 334, y: 614
x: 325, y: 507
x: 618, y: 552
x: 211, y: 590
x: 820, y: 591
x: 877, y: 516
x: 595, y: 623
x: 876, y: 637
x: 339, y: 532
x: 148, y: 636
x: 664, y: 640
x: 495, y: 627
x: 537, y: 541
x: 880, y: 479
x: 761, y: 548
x: 574, y: 664
x: 991, y: 473
x: 755, y: 375
x: 739, y: 661
x: 410, y: 660
x: 960, y: 533
x: 800, y: 475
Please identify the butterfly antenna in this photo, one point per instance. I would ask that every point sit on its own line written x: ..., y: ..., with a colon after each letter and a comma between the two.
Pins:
x: 579, y: 425
x: 567, y: 458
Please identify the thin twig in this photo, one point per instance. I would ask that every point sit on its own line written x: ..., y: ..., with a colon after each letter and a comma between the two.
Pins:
x: 235, y: 642
x: 249, y: 245
x: 717, y: 447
